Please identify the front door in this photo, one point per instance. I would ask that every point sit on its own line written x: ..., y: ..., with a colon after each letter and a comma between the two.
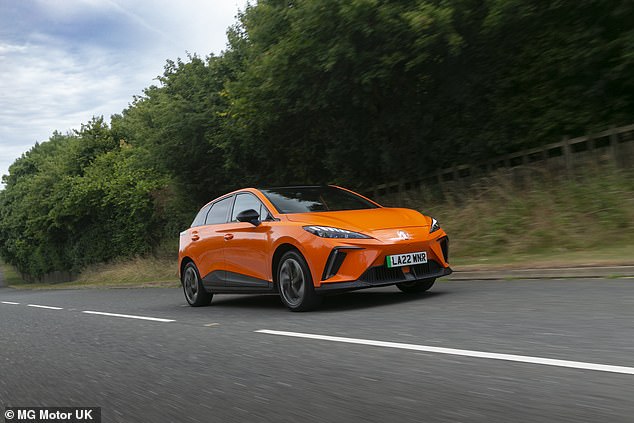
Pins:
x: 247, y: 247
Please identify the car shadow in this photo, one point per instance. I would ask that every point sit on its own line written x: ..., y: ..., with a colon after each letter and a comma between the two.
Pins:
x: 368, y: 299
x: 262, y: 301
x: 332, y: 303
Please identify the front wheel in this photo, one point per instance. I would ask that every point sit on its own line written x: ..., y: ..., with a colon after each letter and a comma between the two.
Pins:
x: 295, y: 283
x: 415, y: 287
x: 195, y: 293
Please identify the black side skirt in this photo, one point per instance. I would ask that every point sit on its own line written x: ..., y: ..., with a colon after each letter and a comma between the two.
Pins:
x: 222, y: 281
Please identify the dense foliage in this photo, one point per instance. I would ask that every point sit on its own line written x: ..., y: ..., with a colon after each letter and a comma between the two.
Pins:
x: 354, y: 92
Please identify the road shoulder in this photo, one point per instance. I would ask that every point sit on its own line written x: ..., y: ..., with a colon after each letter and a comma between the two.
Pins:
x: 465, y: 273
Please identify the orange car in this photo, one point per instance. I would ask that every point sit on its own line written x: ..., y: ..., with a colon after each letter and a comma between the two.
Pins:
x: 306, y: 241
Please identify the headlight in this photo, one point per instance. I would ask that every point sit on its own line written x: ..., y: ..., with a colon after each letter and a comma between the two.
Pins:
x: 434, y: 225
x: 328, y: 232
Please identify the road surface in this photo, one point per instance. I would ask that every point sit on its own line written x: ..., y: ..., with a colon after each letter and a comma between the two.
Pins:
x: 474, y: 351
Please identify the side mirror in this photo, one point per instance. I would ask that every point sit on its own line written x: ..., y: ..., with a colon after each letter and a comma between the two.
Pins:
x: 250, y: 216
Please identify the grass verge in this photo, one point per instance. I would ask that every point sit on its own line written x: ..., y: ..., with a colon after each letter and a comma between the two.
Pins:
x: 532, y: 218
x: 10, y: 276
x: 140, y: 272
x: 603, y: 256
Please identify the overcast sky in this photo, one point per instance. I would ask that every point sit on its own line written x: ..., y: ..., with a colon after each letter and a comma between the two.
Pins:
x: 64, y: 61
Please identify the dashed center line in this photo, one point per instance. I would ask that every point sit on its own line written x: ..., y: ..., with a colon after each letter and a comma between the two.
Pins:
x: 9, y: 302
x: 465, y: 353
x: 44, y: 306
x: 129, y: 316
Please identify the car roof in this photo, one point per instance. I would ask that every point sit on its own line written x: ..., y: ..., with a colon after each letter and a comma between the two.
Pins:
x: 295, y: 186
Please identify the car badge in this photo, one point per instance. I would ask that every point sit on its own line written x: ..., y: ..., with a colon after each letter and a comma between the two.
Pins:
x: 403, y: 235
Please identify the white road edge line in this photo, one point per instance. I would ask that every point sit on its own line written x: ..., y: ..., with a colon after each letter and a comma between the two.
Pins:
x: 129, y: 316
x: 43, y: 306
x: 466, y: 353
x: 9, y: 302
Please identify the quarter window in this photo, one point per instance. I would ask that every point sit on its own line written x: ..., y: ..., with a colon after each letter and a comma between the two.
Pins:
x: 200, y: 217
x: 264, y: 213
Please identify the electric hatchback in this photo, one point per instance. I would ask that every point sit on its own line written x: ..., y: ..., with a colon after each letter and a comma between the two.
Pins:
x: 306, y: 241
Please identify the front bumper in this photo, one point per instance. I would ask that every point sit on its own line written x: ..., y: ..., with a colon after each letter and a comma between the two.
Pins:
x: 383, y: 276
x: 353, y: 264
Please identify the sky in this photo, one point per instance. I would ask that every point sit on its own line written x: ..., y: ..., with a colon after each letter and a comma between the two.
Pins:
x: 64, y: 61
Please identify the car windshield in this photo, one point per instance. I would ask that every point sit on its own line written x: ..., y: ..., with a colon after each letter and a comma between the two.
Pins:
x: 315, y: 199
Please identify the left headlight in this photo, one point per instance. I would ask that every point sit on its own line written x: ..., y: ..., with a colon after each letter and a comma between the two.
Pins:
x: 434, y: 225
x: 328, y: 232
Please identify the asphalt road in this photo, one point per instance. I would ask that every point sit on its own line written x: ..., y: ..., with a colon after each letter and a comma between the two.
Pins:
x: 210, y: 365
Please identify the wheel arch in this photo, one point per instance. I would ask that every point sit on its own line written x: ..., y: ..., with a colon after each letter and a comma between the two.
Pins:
x: 182, y: 265
x: 280, y: 250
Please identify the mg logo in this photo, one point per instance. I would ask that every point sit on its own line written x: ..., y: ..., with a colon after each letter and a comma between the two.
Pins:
x: 403, y: 235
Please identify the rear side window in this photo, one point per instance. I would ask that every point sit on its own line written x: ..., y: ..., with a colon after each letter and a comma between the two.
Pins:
x: 219, y: 211
x: 200, y: 217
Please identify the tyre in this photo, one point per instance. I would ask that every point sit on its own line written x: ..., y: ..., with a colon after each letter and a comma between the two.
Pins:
x: 193, y: 288
x: 414, y: 287
x: 295, y: 283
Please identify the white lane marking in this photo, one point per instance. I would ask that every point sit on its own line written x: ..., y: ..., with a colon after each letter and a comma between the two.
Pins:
x: 9, y: 302
x: 466, y: 353
x: 129, y: 316
x: 43, y: 306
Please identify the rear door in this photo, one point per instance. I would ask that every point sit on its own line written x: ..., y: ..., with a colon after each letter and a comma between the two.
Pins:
x: 209, y: 243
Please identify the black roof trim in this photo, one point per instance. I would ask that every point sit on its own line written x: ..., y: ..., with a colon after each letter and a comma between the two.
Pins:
x: 294, y: 186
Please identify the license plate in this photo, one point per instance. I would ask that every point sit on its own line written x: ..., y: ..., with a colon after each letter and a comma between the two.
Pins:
x: 408, y: 259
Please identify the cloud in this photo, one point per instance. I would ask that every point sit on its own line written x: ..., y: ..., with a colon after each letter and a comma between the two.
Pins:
x: 45, y: 89
x: 64, y: 61
x: 9, y: 49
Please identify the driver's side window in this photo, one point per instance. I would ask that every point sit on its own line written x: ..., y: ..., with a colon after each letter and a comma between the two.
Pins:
x: 247, y: 201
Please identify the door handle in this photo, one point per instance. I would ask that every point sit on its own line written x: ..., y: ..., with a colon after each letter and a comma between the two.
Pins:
x: 228, y: 237
x: 195, y: 236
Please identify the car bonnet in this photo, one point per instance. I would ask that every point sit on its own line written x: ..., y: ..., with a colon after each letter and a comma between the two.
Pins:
x: 363, y: 220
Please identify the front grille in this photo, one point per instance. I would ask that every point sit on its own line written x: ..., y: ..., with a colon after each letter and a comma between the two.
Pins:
x: 421, y: 270
x: 383, y: 274
x: 380, y: 274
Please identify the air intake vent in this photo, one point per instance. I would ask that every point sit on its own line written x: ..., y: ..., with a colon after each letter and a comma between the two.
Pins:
x: 333, y: 264
x: 384, y: 275
x: 444, y: 246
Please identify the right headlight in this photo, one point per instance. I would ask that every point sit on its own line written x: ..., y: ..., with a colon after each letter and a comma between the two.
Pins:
x: 434, y: 225
x: 329, y: 232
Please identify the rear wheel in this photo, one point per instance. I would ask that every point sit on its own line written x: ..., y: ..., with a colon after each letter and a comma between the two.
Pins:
x: 295, y: 284
x: 193, y: 288
x: 414, y: 287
